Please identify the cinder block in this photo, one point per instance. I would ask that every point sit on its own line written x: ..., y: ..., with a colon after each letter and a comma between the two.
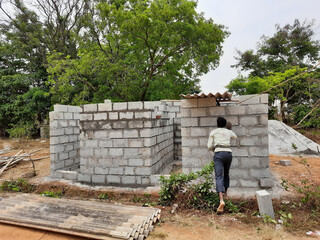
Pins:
x: 135, y: 162
x: 135, y: 124
x: 136, y: 143
x: 257, y: 109
x: 113, y: 179
x: 265, y: 203
x: 54, y: 140
x: 285, y: 162
x: 130, y: 133
x: 258, y: 131
x: 249, y: 140
x: 116, y: 152
x: 249, y: 99
x: 260, y: 173
x: 145, y: 180
x: 56, y: 148
x: 128, y: 180
x: 120, y: 106
x: 250, y: 162
x: 74, y: 109
x: 248, y: 120
x: 73, y: 154
x: 207, y: 102
x: 129, y: 170
x: 200, y: 132
x: 264, y: 98
x: 189, y: 122
x: 68, y: 115
x: 63, y: 123
x: 86, y: 117
x: 60, y: 108
x: 263, y: 119
x: 70, y: 175
x: 86, y: 152
x: 91, y: 143
x: 116, y: 134
x: 266, y: 183
x: 264, y: 162
x: 120, y: 143
x: 235, y: 110
x: 177, y: 103
x: 76, y: 116
x: 119, y: 124
x: 98, y: 178
x: 239, y: 173
x: 208, y: 122
x: 73, y: 138
x: 56, y: 116
x: 68, y: 130
x: 126, y: 115
x: 90, y: 108
x: 259, y: 151
x: 105, y: 107
x: 190, y: 142
x: 57, y: 165
x: 143, y: 171
x: 113, y: 115
x: 189, y: 103
x: 217, y: 111
x: 151, y: 105
x: 147, y: 115
x: 248, y: 183
x: 100, y: 116
x: 131, y: 151
x: 148, y: 142
x: 135, y: 105
x: 145, y: 133
x: 198, y: 112
x: 84, y: 177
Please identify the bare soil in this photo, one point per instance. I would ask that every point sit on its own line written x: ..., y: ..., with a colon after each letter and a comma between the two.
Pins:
x: 183, y: 224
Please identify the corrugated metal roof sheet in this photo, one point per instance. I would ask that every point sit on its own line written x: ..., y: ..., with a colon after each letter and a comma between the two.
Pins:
x: 220, y: 97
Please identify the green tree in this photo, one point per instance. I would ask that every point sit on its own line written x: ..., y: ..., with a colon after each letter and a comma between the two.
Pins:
x: 138, y: 50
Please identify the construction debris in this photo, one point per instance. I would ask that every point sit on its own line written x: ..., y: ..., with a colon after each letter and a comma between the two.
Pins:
x: 7, y: 162
x: 90, y: 219
x: 285, y: 162
x: 4, y: 151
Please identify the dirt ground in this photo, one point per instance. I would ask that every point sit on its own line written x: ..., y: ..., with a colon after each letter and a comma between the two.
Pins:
x: 183, y: 224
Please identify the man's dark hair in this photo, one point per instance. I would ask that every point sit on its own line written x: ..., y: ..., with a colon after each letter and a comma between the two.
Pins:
x: 221, y: 122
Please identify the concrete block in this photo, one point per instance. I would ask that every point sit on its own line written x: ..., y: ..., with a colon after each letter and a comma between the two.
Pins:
x: 189, y: 122
x: 151, y: 104
x: 60, y: 108
x: 249, y: 99
x: 239, y: 173
x: 126, y: 115
x: 145, y: 180
x: 190, y: 142
x: 56, y: 149
x: 73, y: 138
x: 189, y: 103
x: 70, y: 175
x: 101, y: 171
x: 116, y: 134
x: 91, y: 143
x: 185, y: 132
x: 217, y: 111
x: 129, y: 170
x: 100, y: 116
x: 206, y: 102
x: 76, y: 116
x: 235, y: 110
x: 136, y: 143
x: 208, y: 122
x: 147, y: 115
x: 198, y: 112
x: 116, y: 170
x: 249, y: 140
x: 135, y: 105
x: 260, y: 173
x: 285, y: 162
x: 252, y: 131
x: 128, y: 180
x: 116, y: 152
x: 74, y: 109
x: 185, y: 112
x: 259, y: 151
x: 136, y: 162
x: 113, y: 115
x: 84, y: 177
x: 54, y: 140
x: 248, y: 183
x: 266, y: 183
x: 177, y: 103
x: 200, y: 132
x: 264, y: 162
x: 68, y: 115
x: 135, y: 124
x: 148, y: 123
x: 264, y: 98
x: 120, y: 106
x: 146, y: 133
x: 263, y: 119
x: 148, y: 142
x: 250, y: 162
x: 257, y: 109
x: 130, y: 133
x: 90, y: 108
x: 143, y: 171
x: 105, y: 107
x: 265, y: 203
x: 63, y: 123
x: 86, y: 117
x: 68, y: 131
x: 120, y: 143
x: 248, y: 120
x: 56, y: 116
x: 131, y: 151
x: 98, y: 178
x: 113, y: 179
x: 119, y: 124
x: 86, y: 152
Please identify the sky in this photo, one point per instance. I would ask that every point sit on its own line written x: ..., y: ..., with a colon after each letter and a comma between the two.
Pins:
x: 248, y: 21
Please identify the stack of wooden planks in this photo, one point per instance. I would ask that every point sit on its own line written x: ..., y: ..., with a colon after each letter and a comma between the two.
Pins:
x: 97, y: 220
x: 7, y: 162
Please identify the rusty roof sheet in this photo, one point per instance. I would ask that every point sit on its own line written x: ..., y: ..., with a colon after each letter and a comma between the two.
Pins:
x: 221, y: 97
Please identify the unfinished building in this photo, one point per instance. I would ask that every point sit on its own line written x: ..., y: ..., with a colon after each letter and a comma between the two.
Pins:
x: 130, y: 143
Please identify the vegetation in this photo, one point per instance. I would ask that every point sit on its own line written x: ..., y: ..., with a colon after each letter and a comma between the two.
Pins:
x: 289, y: 52
x: 132, y: 50
x: 51, y: 194
x: 19, y: 185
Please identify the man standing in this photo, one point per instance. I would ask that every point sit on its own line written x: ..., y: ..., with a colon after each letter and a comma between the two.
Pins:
x: 219, y: 142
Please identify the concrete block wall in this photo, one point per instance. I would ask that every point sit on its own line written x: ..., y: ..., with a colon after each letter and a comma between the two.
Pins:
x: 124, y: 143
x: 64, y: 138
x: 250, y: 165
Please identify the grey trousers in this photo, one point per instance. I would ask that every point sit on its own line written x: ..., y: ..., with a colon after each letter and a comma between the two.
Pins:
x: 222, y: 163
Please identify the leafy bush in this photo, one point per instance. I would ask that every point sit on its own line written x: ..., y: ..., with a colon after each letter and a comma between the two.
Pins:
x: 313, y: 120
x: 20, y: 185
x: 21, y: 130
x: 51, y: 194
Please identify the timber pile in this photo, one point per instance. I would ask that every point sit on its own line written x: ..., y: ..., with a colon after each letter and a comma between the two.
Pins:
x: 7, y: 162
x: 90, y: 219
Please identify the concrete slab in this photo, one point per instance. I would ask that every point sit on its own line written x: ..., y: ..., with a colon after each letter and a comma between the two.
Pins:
x: 265, y: 203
